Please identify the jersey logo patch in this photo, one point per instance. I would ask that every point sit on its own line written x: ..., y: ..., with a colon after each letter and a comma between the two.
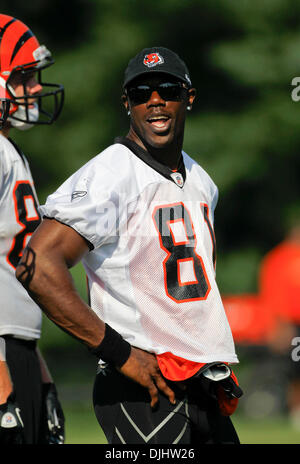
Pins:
x: 8, y: 421
x: 178, y: 179
x: 78, y: 194
x: 153, y: 59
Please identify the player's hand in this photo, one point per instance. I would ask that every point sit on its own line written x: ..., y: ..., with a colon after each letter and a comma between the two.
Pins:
x: 11, y: 424
x: 53, y: 417
x: 142, y: 367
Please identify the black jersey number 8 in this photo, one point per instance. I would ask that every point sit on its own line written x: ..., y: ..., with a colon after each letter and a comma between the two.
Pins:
x: 180, y: 252
x: 23, y: 197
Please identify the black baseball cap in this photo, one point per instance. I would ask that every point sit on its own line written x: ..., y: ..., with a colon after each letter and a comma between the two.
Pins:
x: 157, y: 59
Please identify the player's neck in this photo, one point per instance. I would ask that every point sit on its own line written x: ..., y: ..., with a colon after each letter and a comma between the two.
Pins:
x: 168, y: 155
x: 5, y: 131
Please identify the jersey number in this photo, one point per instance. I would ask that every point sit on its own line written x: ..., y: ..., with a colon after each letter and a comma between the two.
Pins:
x: 184, y: 271
x: 26, y: 211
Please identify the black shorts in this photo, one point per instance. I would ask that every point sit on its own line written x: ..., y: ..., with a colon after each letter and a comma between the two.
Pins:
x: 123, y: 410
x: 24, y: 367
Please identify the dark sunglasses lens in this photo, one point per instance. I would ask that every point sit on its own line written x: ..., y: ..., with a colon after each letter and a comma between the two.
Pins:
x: 140, y: 94
x: 168, y: 91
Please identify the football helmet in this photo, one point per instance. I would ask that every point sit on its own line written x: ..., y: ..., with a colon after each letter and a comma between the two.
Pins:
x: 21, y: 58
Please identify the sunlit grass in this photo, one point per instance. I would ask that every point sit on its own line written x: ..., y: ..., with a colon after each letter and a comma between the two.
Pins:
x: 82, y: 428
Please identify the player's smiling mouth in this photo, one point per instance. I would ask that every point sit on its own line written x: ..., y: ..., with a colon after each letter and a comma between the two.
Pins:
x: 159, y: 122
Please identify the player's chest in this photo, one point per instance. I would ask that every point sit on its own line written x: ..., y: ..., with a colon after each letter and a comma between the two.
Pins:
x: 172, y: 216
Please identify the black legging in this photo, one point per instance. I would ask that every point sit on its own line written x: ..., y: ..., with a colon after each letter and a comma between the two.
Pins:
x: 24, y: 367
x: 123, y: 410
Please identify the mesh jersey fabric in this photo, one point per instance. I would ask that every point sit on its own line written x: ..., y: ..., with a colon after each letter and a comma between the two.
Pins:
x: 151, y: 272
x: 19, y: 216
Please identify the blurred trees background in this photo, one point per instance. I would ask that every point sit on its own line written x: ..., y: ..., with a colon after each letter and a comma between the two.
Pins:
x: 244, y: 127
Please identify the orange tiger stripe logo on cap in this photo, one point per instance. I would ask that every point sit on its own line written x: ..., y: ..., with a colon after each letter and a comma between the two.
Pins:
x: 153, y: 59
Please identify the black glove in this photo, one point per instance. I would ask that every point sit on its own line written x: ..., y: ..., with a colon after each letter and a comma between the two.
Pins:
x: 53, y: 417
x: 11, y: 425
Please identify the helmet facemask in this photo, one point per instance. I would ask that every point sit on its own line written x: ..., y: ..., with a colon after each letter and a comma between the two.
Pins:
x: 22, y: 58
x: 41, y: 108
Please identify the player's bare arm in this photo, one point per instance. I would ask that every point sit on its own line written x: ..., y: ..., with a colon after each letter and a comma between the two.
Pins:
x: 6, y: 385
x: 44, y: 272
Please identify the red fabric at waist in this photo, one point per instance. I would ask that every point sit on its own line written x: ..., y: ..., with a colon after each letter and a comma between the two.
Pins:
x: 176, y: 368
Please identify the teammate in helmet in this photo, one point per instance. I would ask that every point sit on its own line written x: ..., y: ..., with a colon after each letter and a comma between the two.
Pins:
x: 26, y: 386
x: 22, y: 61
x: 140, y: 216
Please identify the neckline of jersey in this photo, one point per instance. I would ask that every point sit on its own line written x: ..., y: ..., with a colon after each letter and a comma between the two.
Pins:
x: 162, y: 169
x: 18, y: 150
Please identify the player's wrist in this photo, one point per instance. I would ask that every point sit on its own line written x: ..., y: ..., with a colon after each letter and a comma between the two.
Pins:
x: 113, y: 349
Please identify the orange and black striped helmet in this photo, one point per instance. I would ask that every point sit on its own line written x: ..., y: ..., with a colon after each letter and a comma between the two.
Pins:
x: 20, y: 52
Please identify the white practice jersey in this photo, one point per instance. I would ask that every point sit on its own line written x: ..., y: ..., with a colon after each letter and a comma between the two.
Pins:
x: 151, y: 265
x: 19, y: 216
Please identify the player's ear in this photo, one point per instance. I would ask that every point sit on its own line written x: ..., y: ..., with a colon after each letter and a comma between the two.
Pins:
x: 125, y: 102
x: 191, y: 98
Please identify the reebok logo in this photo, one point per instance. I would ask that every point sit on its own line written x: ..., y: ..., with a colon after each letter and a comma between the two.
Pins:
x: 78, y: 194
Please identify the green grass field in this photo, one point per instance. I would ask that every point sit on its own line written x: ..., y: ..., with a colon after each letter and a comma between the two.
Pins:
x: 82, y: 428
x: 276, y: 430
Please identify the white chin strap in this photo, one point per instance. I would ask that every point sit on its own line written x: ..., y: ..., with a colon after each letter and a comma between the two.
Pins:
x: 33, y: 115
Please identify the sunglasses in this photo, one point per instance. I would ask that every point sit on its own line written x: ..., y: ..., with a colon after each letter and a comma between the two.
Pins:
x: 168, y: 91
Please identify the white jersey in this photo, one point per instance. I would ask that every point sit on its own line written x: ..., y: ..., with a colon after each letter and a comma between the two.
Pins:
x: 19, y: 216
x: 151, y: 265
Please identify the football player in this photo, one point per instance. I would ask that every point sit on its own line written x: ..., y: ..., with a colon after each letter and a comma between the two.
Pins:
x: 30, y: 412
x: 140, y: 217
